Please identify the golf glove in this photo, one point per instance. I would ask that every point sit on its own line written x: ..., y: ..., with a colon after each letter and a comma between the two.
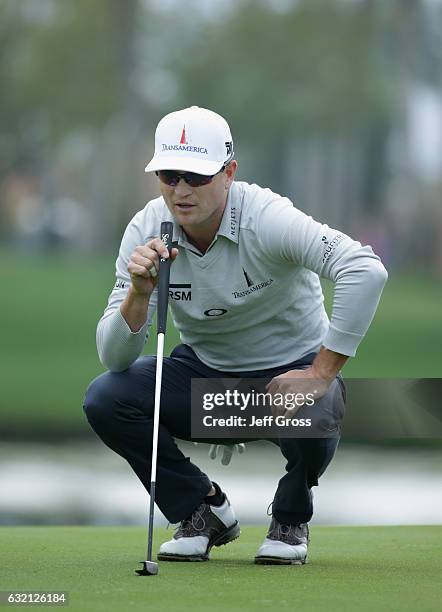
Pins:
x: 227, y: 451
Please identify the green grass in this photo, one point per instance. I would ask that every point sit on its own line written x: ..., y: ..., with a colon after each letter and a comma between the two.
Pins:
x: 50, y: 307
x: 350, y: 568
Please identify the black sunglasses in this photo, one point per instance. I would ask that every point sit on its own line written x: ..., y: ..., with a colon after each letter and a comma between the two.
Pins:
x: 172, y: 177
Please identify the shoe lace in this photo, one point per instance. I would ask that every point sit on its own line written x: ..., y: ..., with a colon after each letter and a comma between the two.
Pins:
x: 280, y: 531
x: 194, y: 523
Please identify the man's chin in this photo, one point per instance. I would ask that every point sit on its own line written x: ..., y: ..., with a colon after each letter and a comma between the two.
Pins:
x: 188, y: 216
x: 184, y: 210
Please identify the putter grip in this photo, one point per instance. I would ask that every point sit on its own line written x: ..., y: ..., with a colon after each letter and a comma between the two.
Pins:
x: 163, y: 278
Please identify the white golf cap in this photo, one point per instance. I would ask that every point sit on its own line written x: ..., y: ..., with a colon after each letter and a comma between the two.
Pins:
x: 192, y: 140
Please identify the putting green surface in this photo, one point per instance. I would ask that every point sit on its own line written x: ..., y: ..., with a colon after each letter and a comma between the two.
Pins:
x: 350, y: 568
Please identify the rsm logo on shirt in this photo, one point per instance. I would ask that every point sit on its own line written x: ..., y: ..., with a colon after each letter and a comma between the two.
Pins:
x: 180, y: 292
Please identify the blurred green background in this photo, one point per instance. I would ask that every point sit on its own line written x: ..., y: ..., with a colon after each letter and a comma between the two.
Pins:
x: 335, y: 104
x: 48, y: 351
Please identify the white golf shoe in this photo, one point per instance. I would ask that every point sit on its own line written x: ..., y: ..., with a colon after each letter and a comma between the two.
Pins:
x: 284, y: 545
x: 207, y: 526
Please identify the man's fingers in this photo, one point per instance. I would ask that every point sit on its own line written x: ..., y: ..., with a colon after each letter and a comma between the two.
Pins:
x: 146, y: 252
x: 147, y: 259
x: 271, y: 386
x: 147, y: 256
x: 137, y: 270
x: 227, y: 454
x: 144, y: 260
x: 278, y: 410
x: 227, y: 451
x: 158, y: 245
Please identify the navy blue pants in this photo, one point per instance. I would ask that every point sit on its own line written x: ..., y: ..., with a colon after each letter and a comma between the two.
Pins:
x: 119, y: 407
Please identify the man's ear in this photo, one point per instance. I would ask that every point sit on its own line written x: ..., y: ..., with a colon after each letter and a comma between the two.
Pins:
x: 230, y: 172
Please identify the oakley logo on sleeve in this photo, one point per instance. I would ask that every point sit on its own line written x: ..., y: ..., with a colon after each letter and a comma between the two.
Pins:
x: 121, y: 284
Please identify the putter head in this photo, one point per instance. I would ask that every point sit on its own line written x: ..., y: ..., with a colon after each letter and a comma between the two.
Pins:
x: 150, y: 568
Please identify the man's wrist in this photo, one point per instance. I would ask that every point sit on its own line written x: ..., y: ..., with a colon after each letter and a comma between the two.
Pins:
x: 134, y: 309
x: 327, y: 364
x: 136, y: 296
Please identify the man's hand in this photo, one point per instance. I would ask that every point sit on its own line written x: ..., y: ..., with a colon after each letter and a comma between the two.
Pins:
x: 227, y: 450
x: 143, y: 267
x: 144, y: 264
x: 297, y: 386
x: 313, y: 381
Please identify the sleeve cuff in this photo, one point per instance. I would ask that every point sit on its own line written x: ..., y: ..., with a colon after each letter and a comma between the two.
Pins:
x: 343, y: 342
x: 118, y: 346
x: 121, y: 329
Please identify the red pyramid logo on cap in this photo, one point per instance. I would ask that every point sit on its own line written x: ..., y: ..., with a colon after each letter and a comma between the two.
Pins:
x: 183, y: 136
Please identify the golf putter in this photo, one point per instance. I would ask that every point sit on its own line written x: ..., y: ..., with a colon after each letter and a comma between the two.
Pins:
x: 150, y: 568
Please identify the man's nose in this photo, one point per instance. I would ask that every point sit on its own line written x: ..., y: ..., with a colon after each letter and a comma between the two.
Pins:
x: 182, y: 188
